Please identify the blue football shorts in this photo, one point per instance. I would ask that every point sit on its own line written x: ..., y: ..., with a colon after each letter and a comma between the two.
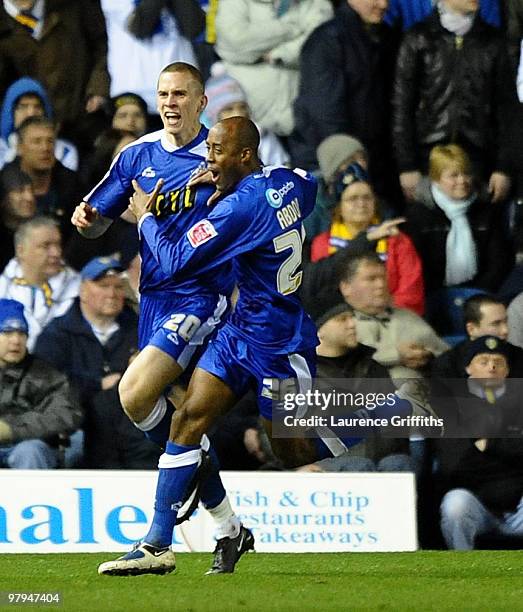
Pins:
x: 242, y: 366
x: 180, y: 327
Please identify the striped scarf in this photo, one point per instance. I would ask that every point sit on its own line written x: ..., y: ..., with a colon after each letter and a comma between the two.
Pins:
x: 45, y: 287
x: 28, y: 20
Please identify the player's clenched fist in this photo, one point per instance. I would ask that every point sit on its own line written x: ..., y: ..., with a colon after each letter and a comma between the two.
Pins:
x: 84, y: 216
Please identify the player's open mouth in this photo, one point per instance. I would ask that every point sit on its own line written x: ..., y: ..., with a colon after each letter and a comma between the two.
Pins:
x: 215, y: 175
x: 172, y: 117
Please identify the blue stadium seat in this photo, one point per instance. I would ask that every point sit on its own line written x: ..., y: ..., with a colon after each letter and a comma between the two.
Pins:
x: 444, y: 311
x: 454, y: 339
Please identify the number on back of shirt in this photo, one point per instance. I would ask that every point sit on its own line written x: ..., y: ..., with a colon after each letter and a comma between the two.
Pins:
x: 288, y: 279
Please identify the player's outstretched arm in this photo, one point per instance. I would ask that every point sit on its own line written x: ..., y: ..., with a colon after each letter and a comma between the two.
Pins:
x: 88, y: 221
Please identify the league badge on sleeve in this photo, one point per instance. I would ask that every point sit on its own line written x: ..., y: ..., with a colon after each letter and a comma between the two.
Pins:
x: 201, y: 232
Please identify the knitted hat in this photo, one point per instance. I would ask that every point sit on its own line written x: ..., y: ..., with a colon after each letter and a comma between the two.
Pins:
x: 333, y: 151
x: 354, y: 173
x: 221, y: 90
x: 486, y: 344
x: 12, y: 317
x: 333, y: 312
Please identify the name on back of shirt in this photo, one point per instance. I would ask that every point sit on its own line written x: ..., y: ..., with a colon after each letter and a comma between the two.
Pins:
x: 289, y: 214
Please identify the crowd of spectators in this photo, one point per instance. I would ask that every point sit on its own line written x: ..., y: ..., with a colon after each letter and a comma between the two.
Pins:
x: 409, y: 112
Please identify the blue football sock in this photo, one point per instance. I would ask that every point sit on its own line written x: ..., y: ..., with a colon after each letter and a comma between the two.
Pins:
x: 182, y: 462
x: 159, y: 432
x: 212, y: 492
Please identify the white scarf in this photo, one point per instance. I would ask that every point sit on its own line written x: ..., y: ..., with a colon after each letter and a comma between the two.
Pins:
x: 457, y: 23
x: 462, y: 256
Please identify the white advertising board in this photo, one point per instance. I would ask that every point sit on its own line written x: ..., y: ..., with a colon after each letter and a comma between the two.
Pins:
x: 94, y: 511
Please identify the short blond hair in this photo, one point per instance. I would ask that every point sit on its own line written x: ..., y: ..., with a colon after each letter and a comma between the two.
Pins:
x: 445, y: 156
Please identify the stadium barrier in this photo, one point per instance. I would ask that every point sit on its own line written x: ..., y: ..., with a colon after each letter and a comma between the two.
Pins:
x: 94, y: 511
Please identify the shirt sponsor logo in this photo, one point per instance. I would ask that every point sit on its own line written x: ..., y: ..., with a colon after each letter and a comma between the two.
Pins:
x: 201, y: 233
x: 275, y: 196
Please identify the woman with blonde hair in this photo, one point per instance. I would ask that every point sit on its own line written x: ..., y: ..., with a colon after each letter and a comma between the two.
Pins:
x: 355, y: 220
x: 455, y: 229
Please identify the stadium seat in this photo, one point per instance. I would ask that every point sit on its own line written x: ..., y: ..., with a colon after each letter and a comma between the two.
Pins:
x: 444, y: 311
x: 454, y: 339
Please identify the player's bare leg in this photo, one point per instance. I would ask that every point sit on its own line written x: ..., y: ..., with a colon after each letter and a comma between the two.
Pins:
x: 143, y: 396
x: 145, y: 380
x: 207, y: 397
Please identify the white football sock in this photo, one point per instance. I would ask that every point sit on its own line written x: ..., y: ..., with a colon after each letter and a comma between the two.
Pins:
x: 227, y: 524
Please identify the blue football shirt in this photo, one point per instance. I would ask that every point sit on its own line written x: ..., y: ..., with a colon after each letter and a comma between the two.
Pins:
x: 260, y: 226
x: 177, y: 207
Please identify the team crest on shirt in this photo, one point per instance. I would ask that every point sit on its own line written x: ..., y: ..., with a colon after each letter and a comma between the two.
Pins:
x: 149, y: 172
x: 201, y: 232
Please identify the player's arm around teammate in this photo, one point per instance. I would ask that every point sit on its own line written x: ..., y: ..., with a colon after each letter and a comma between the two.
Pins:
x: 229, y: 231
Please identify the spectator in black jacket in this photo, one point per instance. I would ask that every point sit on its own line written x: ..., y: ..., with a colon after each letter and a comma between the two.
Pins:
x: 345, y: 83
x: 482, y: 477
x: 63, y: 44
x: 455, y: 230
x: 454, y: 84
x: 36, y: 402
x: 93, y: 343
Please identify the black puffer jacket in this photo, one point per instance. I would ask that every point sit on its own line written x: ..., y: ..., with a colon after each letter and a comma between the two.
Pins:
x: 453, y: 89
x: 36, y: 400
